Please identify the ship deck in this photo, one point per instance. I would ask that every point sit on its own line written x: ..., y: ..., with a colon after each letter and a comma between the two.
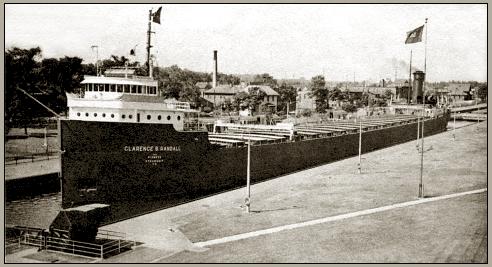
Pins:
x: 238, y: 137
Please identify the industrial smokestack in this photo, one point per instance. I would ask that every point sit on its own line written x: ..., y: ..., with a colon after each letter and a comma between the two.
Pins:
x: 418, y: 87
x: 214, y: 82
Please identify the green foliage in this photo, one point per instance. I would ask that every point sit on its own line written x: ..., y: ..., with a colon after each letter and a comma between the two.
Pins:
x: 482, y: 92
x: 178, y: 83
x: 320, y: 93
x: 265, y: 79
x: 306, y: 113
x: 45, y: 79
x: 349, y: 107
x: 252, y: 99
x: 287, y: 94
x: 387, y: 94
x: 226, y: 79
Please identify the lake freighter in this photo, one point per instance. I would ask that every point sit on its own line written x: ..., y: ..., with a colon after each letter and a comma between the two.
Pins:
x: 124, y: 144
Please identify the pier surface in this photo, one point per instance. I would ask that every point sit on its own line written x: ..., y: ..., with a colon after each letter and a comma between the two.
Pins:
x: 331, y: 213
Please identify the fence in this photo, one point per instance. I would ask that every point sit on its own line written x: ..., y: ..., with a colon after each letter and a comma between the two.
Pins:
x: 31, y: 157
x: 108, y: 243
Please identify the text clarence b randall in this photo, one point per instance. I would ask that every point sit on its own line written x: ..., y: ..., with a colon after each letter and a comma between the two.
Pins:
x: 152, y: 148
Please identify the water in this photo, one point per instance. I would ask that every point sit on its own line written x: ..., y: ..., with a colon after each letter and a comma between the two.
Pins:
x: 36, y: 212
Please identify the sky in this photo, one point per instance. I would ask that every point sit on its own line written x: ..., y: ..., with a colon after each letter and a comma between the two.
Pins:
x: 341, y: 42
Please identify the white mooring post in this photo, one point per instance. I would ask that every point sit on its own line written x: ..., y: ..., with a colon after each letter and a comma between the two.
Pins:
x: 360, y: 146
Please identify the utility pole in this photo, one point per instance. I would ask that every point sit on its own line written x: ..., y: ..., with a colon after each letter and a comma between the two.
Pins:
x: 247, y: 200
x: 421, y: 184
x: 360, y: 146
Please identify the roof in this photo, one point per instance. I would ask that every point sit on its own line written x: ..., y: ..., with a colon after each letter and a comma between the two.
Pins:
x: 265, y: 88
x: 400, y: 83
x: 202, y: 85
x: 371, y: 89
x: 459, y: 88
x: 223, y: 90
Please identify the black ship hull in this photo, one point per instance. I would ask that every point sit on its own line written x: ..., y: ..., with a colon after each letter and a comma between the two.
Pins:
x: 151, y: 166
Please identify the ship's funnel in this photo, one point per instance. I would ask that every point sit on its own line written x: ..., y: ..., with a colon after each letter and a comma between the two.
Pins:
x: 418, y: 87
x: 214, y: 81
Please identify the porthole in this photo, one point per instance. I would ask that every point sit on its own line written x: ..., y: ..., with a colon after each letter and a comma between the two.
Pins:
x: 130, y: 116
x: 159, y: 117
x: 87, y: 114
x: 149, y: 117
x: 123, y: 116
x: 78, y: 114
x: 112, y: 115
x: 95, y: 114
x: 104, y: 115
x: 179, y: 117
x: 168, y: 118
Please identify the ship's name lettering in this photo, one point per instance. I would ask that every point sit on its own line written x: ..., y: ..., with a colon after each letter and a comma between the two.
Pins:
x: 151, y: 148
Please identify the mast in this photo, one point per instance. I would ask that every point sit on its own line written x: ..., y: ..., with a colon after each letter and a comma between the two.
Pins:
x: 147, y: 64
x: 409, y: 79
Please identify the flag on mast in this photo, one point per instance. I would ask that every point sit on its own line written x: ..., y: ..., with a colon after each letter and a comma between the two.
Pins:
x: 415, y: 36
x: 156, y: 16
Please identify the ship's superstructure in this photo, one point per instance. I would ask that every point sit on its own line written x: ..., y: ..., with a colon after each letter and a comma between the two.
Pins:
x: 127, y: 99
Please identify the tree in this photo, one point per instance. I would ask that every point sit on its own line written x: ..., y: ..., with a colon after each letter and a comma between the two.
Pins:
x: 265, y: 79
x: 387, y: 94
x: 320, y: 93
x: 287, y: 94
x: 482, y: 92
x: 21, y: 67
x: 252, y: 99
x: 240, y: 100
x: 349, y: 107
x: 180, y: 84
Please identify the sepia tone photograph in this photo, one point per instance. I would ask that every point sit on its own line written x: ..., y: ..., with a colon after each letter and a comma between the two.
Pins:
x: 245, y: 133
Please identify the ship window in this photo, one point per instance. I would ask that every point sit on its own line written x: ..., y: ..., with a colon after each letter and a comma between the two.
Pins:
x: 87, y: 114
x: 95, y: 114
x: 104, y: 115
x: 159, y: 117
x: 113, y: 87
x: 123, y: 116
x: 134, y: 89
x: 149, y: 117
x: 179, y: 117
x: 101, y: 87
x: 127, y: 88
x: 78, y: 114
x: 106, y: 88
x: 139, y: 89
x: 119, y: 88
x: 130, y: 116
x: 168, y: 118
x: 112, y: 115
